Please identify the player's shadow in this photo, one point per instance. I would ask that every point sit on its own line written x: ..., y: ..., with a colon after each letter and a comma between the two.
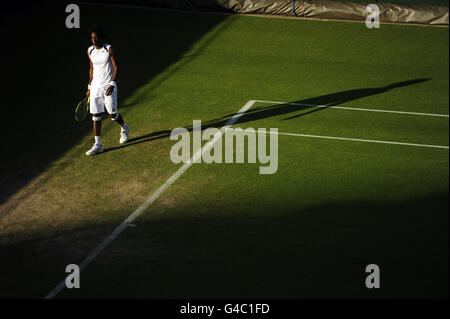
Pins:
x: 292, y: 109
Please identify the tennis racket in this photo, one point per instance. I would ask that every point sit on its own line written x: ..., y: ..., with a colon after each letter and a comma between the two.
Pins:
x: 82, y: 109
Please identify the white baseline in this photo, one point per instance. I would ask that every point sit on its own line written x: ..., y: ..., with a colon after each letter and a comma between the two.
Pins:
x: 355, y: 139
x: 355, y: 108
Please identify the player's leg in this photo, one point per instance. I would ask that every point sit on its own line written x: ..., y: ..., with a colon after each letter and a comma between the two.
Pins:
x: 97, y: 125
x: 124, y: 130
x: 96, y: 108
x: 111, y: 107
x: 116, y: 117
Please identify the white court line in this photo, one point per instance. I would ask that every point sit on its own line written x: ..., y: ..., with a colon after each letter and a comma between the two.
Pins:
x: 355, y: 139
x: 356, y: 109
x: 126, y: 223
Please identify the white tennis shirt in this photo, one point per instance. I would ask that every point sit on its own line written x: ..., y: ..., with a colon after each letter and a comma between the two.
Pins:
x: 103, y: 69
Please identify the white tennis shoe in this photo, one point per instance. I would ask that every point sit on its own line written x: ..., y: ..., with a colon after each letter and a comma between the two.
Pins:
x: 124, y: 134
x: 96, y: 149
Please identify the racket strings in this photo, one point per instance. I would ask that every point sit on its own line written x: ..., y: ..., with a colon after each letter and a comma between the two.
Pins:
x: 82, y: 110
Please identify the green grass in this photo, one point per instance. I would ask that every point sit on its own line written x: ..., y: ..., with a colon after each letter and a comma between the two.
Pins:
x: 223, y: 230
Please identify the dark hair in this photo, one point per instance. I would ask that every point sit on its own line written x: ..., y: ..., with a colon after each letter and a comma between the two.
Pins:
x: 99, y: 30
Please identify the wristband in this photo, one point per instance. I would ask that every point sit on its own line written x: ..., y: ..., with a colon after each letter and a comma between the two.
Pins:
x: 89, y: 86
x: 113, y: 83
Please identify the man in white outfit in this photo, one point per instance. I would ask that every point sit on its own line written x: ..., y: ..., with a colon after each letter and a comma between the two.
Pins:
x: 102, y: 88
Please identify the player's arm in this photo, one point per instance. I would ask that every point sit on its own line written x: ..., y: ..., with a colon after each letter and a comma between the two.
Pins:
x: 113, y: 56
x: 91, y: 72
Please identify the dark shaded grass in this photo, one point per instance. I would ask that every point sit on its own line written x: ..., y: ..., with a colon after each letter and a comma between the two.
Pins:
x: 257, y: 257
x: 45, y: 73
x: 251, y: 256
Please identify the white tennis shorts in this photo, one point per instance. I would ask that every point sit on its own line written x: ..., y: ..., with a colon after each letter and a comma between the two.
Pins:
x: 99, y: 100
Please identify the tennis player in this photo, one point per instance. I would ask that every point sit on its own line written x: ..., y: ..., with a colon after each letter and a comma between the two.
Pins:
x: 102, y: 87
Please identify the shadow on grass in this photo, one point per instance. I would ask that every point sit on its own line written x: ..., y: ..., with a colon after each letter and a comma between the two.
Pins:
x: 310, y: 252
x: 45, y: 71
x: 264, y: 112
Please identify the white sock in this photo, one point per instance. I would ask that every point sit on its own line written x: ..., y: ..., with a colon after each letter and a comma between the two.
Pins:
x: 97, y: 140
